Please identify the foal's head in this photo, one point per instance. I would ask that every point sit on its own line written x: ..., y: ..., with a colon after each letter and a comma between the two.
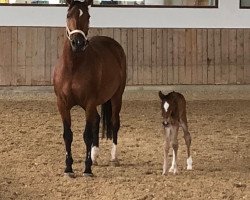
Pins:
x: 78, y: 23
x: 168, y: 109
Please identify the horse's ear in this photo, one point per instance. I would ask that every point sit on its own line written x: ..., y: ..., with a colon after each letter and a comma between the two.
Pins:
x: 89, y: 2
x: 69, y: 2
x: 161, y: 95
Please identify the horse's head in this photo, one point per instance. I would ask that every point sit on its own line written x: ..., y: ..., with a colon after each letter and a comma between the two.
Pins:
x: 167, y: 107
x: 78, y: 23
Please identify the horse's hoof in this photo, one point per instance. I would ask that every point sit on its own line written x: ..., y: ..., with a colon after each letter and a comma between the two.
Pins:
x: 115, y: 163
x: 88, y: 174
x: 70, y: 174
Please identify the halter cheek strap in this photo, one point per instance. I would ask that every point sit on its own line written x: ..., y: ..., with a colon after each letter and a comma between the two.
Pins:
x: 69, y: 33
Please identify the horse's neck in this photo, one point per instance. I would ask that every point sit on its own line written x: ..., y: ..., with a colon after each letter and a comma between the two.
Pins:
x: 67, y: 48
x: 68, y: 55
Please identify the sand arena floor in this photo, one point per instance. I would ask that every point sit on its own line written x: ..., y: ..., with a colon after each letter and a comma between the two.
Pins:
x: 32, y: 150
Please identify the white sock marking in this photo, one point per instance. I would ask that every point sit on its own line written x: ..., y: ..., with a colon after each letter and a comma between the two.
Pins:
x: 189, y: 163
x: 94, y: 153
x: 166, y: 106
x: 173, y: 167
x: 113, y: 152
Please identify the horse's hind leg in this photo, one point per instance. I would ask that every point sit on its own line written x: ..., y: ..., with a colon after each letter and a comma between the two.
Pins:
x: 67, y: 136
x: 116, y: 103
x: 90, y: 136
x: 187, y: 138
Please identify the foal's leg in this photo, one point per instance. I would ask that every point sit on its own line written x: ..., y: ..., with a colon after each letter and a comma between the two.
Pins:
x: 187, y: 138
x: 67, y: 136
x: 166, y: 147
x: 174, y: 144
x: 90, y: 135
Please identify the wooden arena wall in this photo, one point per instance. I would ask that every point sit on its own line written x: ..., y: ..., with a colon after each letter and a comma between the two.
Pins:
x: 154, y: 56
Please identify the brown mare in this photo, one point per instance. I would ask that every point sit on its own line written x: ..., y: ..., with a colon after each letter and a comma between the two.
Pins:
x: 174, y: 114
x: 89, y: 73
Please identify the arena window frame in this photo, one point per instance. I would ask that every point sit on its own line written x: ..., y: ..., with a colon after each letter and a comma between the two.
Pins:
x: 215, y: 5
x: 242, y: 4
x: 45, y: 3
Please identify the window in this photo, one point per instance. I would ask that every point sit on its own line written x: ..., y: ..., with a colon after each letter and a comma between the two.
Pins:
x: 32, y: 1
x: 127, y: 3
x: 244, y: 3
x: 158, y: 3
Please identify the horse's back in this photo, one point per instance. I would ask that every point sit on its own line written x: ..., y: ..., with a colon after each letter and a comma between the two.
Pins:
x: 179, y: 101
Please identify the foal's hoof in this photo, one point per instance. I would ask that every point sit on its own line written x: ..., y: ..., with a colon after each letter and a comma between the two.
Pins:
x: 95, y: 163
x: 115, y: 163
x: 88, y: 174
x: 173, y: 170
x: 70, y: 174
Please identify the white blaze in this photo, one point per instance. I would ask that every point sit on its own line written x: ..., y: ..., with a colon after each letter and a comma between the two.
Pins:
x: 80, y: 12
x: 166, y: 106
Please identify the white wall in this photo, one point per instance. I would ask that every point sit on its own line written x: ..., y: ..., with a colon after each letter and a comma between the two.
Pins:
x: 228, y: 15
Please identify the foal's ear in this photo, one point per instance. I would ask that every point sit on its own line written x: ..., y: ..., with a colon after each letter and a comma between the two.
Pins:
x: 69, y: 2
x: 161, y: 95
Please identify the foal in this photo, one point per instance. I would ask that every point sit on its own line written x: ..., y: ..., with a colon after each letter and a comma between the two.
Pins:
x: 174, y: 115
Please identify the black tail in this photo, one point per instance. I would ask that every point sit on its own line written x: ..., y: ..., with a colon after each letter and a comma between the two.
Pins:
x: 106, y: 113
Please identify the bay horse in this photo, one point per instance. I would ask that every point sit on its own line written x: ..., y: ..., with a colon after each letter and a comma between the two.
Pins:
x: 173, y: 106
x: 90, y: 72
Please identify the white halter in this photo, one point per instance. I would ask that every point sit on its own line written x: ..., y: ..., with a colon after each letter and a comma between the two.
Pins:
x: 69, y: 33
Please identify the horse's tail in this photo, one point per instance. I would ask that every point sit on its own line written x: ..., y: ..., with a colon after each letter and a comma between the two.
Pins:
x: 106, y: 113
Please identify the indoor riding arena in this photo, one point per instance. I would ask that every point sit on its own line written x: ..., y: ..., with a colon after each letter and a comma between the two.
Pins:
x: 199, y: 48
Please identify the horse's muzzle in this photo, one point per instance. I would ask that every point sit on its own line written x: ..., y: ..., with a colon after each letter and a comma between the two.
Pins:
x: 78, y: 43
x: 165, y: 124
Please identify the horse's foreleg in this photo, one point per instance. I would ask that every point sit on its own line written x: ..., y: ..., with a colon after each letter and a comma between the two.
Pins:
x: 67, y: 136
x: 95, y: 146
x: 90, y: 137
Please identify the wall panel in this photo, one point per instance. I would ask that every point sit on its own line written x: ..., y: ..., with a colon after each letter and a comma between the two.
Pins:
x: 154, y: 56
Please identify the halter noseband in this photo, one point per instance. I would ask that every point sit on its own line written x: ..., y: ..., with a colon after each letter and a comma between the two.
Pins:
x: 69, y: 33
